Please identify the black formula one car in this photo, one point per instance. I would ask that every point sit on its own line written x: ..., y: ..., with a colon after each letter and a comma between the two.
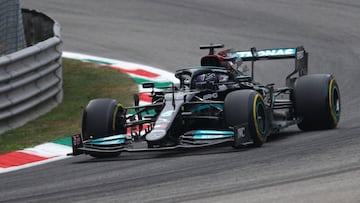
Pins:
x: 216, y: 103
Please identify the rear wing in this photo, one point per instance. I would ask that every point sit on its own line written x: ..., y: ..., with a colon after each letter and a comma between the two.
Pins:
x: 266, y: 54
x: 298, y: 54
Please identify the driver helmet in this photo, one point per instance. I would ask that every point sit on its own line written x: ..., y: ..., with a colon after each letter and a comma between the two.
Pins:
x: 207, y: 77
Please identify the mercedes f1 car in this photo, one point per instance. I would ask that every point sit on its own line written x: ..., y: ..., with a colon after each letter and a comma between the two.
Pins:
x: 217, y: 103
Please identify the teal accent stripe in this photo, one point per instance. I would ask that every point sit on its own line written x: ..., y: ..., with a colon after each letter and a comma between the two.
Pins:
x: 120, y: 141
x: 200, y: 108
x: 205, y: 106
x: 210, y: 137
x: 214, y: 132
x: 114, y: 137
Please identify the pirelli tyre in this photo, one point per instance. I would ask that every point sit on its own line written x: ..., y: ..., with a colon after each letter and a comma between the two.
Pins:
x: 317, y: 102
x: 247, y: 107
x: 101, y: 118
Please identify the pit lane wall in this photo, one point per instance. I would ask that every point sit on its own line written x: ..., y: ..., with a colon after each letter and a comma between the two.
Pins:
x: 31, y: 78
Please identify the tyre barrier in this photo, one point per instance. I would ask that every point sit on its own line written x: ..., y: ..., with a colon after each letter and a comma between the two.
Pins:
x: 31, y: 79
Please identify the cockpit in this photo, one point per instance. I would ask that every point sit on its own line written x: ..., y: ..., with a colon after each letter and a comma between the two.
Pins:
x: 202, y: 77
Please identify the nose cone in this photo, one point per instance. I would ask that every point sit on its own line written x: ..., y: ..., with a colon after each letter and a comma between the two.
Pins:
x: 155, y: 135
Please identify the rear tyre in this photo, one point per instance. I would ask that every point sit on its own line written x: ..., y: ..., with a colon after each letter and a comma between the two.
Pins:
x: 247, y: 107
x: 317, y: 102
x: 102, y: 118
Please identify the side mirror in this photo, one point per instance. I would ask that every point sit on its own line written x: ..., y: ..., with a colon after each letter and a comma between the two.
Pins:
x: 254, y: 52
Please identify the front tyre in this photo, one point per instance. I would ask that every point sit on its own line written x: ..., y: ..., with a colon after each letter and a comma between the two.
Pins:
x: 101, y: 118
x: 317, y: 102
x: 247, y: 107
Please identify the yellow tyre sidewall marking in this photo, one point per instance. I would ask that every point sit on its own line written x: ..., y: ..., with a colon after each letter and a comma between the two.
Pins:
x: 331, y: 86
x: 114, y: 116
x: 258, y: 133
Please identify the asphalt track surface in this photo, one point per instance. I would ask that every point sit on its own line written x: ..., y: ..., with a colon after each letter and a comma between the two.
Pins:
x: 293, y: 166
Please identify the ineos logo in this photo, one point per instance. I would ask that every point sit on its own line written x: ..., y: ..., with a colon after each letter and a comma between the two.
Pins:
x: 210, y: 96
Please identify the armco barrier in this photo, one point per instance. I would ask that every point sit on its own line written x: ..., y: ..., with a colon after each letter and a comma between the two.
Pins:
x: 31, y: 79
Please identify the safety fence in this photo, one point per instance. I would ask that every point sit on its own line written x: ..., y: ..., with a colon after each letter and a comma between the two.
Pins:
x: 11, y: 27
x: 31, y: 78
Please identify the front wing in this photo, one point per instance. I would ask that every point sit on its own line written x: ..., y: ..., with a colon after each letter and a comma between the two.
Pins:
x: 190, y: 140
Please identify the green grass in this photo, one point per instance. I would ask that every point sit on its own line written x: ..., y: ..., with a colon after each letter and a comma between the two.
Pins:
x: 82, y: 82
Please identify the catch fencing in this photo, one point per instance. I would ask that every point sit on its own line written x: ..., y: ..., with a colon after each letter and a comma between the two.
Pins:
x: 31, y: 78
x: 11, y: 27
